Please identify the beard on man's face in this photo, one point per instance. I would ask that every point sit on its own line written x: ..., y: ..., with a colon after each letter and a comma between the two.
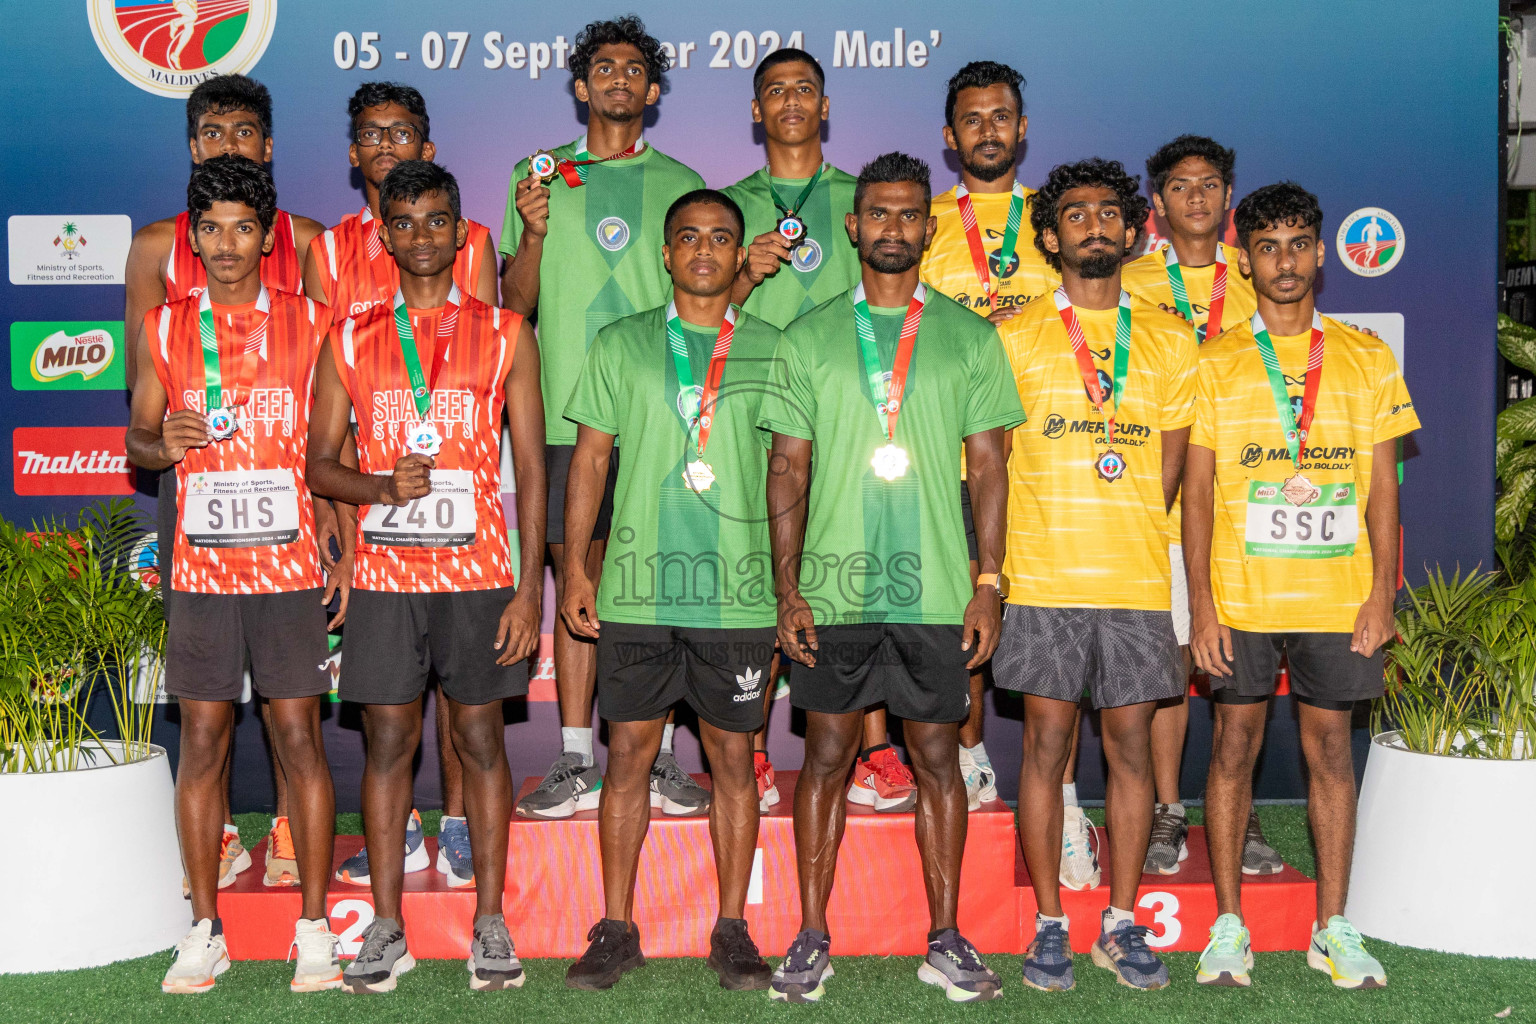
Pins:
x: 1099, y: 266
x: 984, y: 168
x: 885, y: 257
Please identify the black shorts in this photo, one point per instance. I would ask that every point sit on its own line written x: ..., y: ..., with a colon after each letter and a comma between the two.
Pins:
x: 208, y: 637
x: 1119, y: 655
x: 165, y: 531
x: 1323, y: 670
x: 643, y: 670
x: 971, y: 549
x: 918, y: 671
x: 395, y: 640
x: 557, y: 466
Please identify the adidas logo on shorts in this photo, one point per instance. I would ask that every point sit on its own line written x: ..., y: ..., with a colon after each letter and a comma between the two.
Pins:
x: 751, y: 685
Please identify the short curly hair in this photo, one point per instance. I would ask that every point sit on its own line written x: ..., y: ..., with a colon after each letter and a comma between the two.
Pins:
x: 627, y: 29
x: 1284, y: 202
x: 232, y: 179
x: 1161, y: 164
x: 1064, y: 178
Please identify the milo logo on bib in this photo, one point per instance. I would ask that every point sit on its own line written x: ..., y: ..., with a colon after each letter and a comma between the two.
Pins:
x: 1300, y: 519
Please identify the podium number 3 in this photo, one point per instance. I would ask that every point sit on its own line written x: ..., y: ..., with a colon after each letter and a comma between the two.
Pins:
x: 1165, y: 912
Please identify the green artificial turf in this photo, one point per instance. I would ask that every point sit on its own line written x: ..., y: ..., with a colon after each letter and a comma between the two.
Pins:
x: 1424, y: 987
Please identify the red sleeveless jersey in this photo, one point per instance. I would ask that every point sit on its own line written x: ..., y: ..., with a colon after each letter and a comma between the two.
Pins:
x: 244, y: 522
x: 281, y: 269
x: 358, y: 274
x: 455, y: 538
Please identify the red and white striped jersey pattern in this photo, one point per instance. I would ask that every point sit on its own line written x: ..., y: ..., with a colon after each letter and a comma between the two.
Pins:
x: 281, y: 269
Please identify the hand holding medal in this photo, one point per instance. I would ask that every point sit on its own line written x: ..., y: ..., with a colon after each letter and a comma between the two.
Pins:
x: 791, y: 225
x: 422, y: 437
x: 222, y: 413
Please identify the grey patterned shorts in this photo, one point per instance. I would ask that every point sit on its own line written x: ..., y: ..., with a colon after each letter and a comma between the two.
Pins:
x: 1119, y: 655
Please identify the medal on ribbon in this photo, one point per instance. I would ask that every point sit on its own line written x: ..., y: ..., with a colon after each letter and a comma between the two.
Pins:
x: 1298, y: 490
x: 574, y: 171
x: 1005, y: 255
x: 1110, y: 465
x: 888, y: 387
x: 695, y: 404
x: 791, y: 225
x: 1181, y: 293
x: 543, y: 166
x: 220, y: 405
x: 423, y: 437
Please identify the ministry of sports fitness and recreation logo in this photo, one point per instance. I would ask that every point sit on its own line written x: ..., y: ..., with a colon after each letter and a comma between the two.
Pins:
x: 806, y: 256
x: 612, y: 233
x: 167, y: 47
x: 1370, y: 241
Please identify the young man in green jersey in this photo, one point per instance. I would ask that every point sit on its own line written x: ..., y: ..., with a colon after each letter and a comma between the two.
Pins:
x: 583, y: 238
x: 882, y: 385
x: 686, y: 609
x: 799, y: 257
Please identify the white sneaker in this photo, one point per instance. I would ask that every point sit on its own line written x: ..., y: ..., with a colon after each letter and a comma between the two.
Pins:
x: 200, y: 957
x: 1079, y: 859
x: 980, y: 783
x: 318, y: 967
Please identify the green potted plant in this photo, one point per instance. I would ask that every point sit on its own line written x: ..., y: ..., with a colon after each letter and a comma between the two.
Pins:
x: 75, y: 627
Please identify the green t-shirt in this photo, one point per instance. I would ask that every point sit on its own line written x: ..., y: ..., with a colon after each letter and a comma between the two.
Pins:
x: 602, y: 260
x: 675, y: 556
x: 824, y: 264
x: 879, y: 550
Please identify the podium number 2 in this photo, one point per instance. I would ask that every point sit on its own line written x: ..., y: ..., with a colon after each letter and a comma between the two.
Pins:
x: 1165, y: 912
x: 351, y: 937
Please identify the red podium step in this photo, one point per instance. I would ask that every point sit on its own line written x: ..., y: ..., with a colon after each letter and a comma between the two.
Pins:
x: 1180, y: 909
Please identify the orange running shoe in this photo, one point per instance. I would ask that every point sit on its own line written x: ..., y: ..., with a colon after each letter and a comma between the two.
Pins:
x: 233, y: 859
x: 881, y: 781
x: 767, y: 792
x: 282, y: 862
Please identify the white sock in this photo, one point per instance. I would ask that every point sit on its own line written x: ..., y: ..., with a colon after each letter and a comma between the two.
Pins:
x: 1069, y: 794
x: 978, y: 755
x: 577, y: 741
x: 1041, y: 919
x: 1176, y: 808
x: 234, y: 831
x: 1113, y: 917
x: 452, y: 817
x: 666, y: 738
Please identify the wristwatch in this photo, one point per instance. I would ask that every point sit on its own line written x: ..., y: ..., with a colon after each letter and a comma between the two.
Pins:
x: 996, y: 581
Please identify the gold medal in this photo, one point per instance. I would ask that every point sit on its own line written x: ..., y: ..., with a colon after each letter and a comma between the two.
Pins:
x: 890, y: 462
x: 1110, y: 465
x: 698, y: 476
x: 544, y: 165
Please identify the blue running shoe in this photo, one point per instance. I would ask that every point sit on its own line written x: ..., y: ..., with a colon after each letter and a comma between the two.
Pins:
x: 355, y: 868
x: 453, y: 860
x: 1048, y: 960
x: 1125, y: 951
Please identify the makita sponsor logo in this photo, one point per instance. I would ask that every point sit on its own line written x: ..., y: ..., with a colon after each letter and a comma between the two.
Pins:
x: 70, y: 460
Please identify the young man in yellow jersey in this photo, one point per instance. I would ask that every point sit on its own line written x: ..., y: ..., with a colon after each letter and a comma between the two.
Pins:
x: 1291, y: 544
x: 983, y: 256
x: 1195, y: 275
x: 1091, y: 478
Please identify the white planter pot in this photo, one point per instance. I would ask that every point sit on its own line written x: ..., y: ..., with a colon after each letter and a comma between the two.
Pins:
x: 95, y: 874
x: 1443, y: 852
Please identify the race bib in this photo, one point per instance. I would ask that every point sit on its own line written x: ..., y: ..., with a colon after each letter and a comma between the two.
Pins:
x: 1299, y: 519
x: 241, y: 509
x: 444, y: 518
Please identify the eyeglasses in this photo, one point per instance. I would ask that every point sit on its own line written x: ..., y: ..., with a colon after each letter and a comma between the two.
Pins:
x: 399, y: 134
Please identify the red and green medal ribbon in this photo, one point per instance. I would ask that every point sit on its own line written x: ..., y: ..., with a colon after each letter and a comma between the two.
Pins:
x: 698, y: 426
x: 421, y: 388
x: 1122, y: 360
x: 213, y: 377
x: 888, y: 397
x: 1295, y: 428
x: 1181, y: 293
x: 574, y: 170
x: 973, y: 238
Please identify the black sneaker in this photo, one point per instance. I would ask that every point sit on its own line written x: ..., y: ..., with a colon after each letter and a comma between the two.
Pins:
x: 735, y: 957
x: 614, y: 950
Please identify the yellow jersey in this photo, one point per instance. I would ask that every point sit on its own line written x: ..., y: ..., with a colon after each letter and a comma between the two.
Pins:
x: 947, y: 263
x: 1289, y: 547
x: 1147, y: 278
x: 1075, y: 539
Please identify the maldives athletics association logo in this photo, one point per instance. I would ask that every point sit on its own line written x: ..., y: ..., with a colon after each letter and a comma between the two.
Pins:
x: 168, y: 47
x: 1370, y: 241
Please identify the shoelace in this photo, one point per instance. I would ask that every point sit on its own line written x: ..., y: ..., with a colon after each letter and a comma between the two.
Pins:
x: 802, y: 955
x: 562, y: 774
x: 193, y: 941
x: 1078, y: 832
x: 890, y: 769
x: 229, y: 840
x: 495, y: 942
x: 1132, y: 940
x: 1051, y: 943
x: 282, y: 842
x: 670, y: 771
x: 1227, y: 934
x: 376, y: 941
x: 606, y: 942
x: 1165, y: 828
x: 1254, y: 834
x: 314, y: 945
x: 737, y: 944
x: 761, y: 769
x: 960, y: 951
x: 1343, y: 935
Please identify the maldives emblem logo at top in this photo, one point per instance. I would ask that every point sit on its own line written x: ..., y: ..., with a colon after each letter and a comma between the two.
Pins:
x: 169, y: 47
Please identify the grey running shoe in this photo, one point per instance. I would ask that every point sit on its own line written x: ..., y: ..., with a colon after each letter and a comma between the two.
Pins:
x: 1048, y: 960
x: 954, y: 965
x: 493, y: 963
x: 1125, y: 951
x: 382, y: 959
x: 1259, y: 858
x: 802, y: 974
x: 572, y: 785
x: 613, y: 950
x: 735, y: 957
x: 673, y: 790
x: 1167, y: 847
